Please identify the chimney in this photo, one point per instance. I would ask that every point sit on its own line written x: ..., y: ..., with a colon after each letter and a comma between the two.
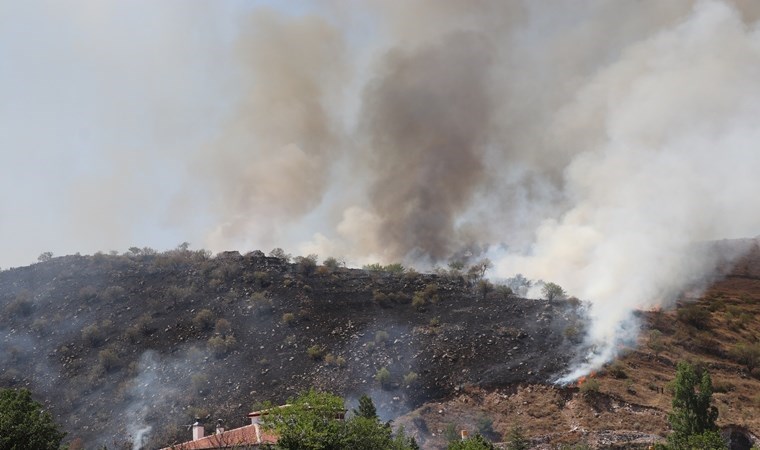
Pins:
x: 465, y: 434
x: 219, y: 426
x: 198, y: 430
x: 255, y: 421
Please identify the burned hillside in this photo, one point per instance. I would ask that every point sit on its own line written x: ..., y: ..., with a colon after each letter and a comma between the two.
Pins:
x: 133, y: 346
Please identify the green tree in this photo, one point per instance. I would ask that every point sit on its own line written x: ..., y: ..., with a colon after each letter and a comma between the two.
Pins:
x: 553, y: 291
x: 693, y: 417
x: 314, y: 421
x: 516, y: 440
x: 24, y: 425
x: 311, y: 421
x: 476, y: 442
x: 366, y: 408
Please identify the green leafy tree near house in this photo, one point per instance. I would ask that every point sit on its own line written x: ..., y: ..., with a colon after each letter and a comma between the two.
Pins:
x: 24, y: 425
x: 313, y: 421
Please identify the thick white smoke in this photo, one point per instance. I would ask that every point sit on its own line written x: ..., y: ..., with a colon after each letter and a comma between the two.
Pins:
x: 670, y: 156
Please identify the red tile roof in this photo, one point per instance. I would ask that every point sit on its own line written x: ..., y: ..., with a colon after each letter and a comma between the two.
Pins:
x: 236, y: 438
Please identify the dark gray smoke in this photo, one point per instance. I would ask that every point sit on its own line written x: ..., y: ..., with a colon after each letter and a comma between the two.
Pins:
x: 427, y: 115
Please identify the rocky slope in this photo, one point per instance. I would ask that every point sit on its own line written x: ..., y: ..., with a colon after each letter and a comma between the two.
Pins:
x: 719, y: 330
x: 126, y: 347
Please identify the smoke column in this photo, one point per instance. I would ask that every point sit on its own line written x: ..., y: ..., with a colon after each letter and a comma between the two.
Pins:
x: 589, y: 143
x: 597, y: 154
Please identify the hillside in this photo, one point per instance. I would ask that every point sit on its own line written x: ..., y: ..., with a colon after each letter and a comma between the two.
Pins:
x: 134, y: 346
x: 718, y: 330
x: 123, y: 347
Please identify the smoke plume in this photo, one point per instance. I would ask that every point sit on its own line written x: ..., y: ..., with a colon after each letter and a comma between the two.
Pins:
x: 588, y: 143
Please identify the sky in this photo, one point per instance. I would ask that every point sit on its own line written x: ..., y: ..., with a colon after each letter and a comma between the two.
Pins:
x: 102, y: 102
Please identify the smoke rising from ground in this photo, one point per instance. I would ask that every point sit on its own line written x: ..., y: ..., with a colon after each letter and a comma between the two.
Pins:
x: 588, y: 143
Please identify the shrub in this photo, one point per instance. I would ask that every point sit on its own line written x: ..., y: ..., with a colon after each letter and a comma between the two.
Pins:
x: 144, y: 325
x: 574, y: 333
x: 553, y: 291
x: 747, y: 354
x: 395, y: 268
x: 220, y: 346
x: 39, y: 325
x: 695, y: 316
x: 288, y: 318
x: 483, y: 288
x: 456, y: 265
x: 431, y: 293
x: 589, y: 387
x: 381, y: 337
x: 45, y: 256
x: 376, y: 267
x: 88, y: 293
x: 222, y: 327
x: 280, y: 254
x: 424, y: 296
x: 399, y: 297
x: 199, y: 382
x: 418, y: 301
x: 178, y: 293
x: 226, y: 271
x: 204, y: 320
x: 329, y: 359
x: 20, y: 308
x: 617, y: 371
x: 434, y: 322
x: 109, y: 360
x: 410, y: 378
x: 333, y: 263
x: 340, y: 361
x: 306, y: 264
x: 383, y: 376
x: 381, y: 299
x: 261, y: 279
x: 93, y: 335
x: 112, y: 293
x: 655, y: 342
x: 504, y: 291
x: 315, y: 352
x: 132, y: 334
x: 261, y: 305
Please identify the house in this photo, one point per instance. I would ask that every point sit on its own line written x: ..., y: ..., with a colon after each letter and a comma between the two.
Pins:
x: 246, y: 437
